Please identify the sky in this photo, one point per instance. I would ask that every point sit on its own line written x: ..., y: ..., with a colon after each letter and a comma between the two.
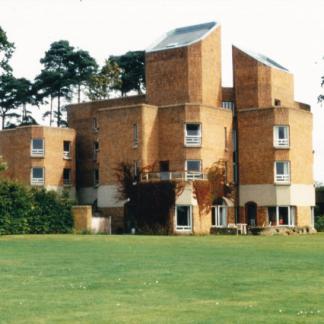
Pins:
x: 289, y: 31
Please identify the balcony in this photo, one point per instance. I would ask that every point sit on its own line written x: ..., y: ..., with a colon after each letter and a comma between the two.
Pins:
x: 176, y: 175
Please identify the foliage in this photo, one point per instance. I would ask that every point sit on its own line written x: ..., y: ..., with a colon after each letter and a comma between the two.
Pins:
x: 6, y: 51
x: 100, y: 84
x: 132, y: 65
x: 319, y: 223
x: 202, y: 192
x: 29, y: 210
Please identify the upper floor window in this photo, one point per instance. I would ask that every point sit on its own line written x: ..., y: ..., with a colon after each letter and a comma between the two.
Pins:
x: 67, y: 180
x: 228, y: 105
x: 95, y: 150
x: 37, y: 147
x: 95, y: 127
x: 96, y: 177
x: 277, y: 102
x: 192, y: 134
x: 37, y: 176
x: 135, y: 135
x: 66, y: 149
x: 193, y: 169
x: 281, y: 136
x: 282, y: 172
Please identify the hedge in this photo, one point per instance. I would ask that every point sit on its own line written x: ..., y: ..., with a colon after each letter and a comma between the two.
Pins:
x: 25, y: 210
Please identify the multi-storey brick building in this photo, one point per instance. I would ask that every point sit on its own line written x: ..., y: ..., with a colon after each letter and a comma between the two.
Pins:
x: 186, y: 122
x: 185, y: 125
x: 40, y: 156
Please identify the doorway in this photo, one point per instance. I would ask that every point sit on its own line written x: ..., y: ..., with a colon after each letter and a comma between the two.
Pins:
x: 251, y: 213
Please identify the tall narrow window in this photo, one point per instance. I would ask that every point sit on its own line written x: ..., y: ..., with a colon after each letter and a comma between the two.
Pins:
x: 95, y: 150
x: 193, y: 169
x: 37, y: 147
x: 219, y: 216
x: 37, y: 176
x: 67, y: 149
x: 135, y: 135
x: 282, y: 172
x: 96, y: 177
x: 192, y: 134
x: 67, y: 177
x: 281, y: 136
x: 95, y: 127
x: 183, y: 218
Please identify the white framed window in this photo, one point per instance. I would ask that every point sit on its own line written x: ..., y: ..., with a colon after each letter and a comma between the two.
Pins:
x: 282, y: 171
x: 67, y: 179
x: 281, y: 215
x: 37, y: 147
x: 193, y: 169
x: 219, y: 216
x: 96, y: 177
x: 95, y: 150
x: 228, y: 105
x: 135, y: 135
x: 95, y: 127
x: 67, y: 150
x: 192, y: 134
x: 37, y: 176
x: 183, y: 218
x: 281, y: 136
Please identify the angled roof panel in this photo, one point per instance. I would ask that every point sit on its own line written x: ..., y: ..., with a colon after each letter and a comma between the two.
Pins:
x: 183, y: 36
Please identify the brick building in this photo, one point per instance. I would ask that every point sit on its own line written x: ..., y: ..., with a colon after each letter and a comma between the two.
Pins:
x: 187, y: 123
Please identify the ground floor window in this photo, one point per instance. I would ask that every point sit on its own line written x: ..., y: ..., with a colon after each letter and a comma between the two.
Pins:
x: 183, y: 218
x: 37, y: 176
x: 281, y: 216
x: 219, y: 216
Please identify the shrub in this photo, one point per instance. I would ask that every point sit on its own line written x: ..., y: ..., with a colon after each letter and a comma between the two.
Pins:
x: 319, y: 223
x: 28, y: 210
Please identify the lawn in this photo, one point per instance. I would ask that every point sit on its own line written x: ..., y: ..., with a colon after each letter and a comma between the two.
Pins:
x: 143, y: 279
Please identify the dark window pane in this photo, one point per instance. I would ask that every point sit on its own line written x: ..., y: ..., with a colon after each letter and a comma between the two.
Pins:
x: 182, y: 216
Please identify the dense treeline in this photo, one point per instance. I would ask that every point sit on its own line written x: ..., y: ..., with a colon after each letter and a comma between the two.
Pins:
x: 68, y: 74
x: 26, y: 210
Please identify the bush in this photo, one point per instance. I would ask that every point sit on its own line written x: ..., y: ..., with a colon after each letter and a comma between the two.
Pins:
x: 28, y: 210
x: 319, y: 223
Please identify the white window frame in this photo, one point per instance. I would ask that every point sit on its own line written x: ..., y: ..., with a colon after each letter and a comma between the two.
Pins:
x: 281, y: 178
x: 283, y: 143
x: 37, y: 152
x: 67, y: 182
x: 135, y: 135
x: 181, y: 228
x: 193, y: 175
x: 192, y: 140
x: 37, y: 181
x: 67, y: 154
x: 217, y: 215
x: 291, y: 216
x: 95, y: 150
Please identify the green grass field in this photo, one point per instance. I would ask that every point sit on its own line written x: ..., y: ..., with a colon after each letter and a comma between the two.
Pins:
x: 142, y: 279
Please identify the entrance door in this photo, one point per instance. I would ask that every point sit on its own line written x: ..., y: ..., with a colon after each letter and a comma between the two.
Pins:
x: 251, y: 213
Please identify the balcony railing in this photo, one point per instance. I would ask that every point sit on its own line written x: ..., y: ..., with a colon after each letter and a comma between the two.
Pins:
x: 67, y: 182
x: 37, y: 152
x: 282, y: 178
x: 177, y: 175
x: 37, y: 181
x: 282, y: 142
x: 193, y: 140
x: 66, y: 155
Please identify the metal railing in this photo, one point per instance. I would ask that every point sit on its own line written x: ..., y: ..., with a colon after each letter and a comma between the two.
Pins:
x: 37, y: 181
x: 37, y: 152
x: 282, y: 178
x: 282, y: 142
x: 67, y: 155
x: 177, y: 175
x: 192, y: 140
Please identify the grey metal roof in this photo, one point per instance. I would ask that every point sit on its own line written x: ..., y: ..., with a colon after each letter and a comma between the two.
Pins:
x: 183, y: 36
x: 265, y: 60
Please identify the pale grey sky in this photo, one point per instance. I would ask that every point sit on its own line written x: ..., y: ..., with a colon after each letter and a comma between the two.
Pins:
x: 289, y: 31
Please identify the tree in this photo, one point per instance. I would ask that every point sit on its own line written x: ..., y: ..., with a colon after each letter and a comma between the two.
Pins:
x: 132, y: 65
x: 100, y: 84
x: 81, y: 69
x: 6, y: 50
x: 55, y: 79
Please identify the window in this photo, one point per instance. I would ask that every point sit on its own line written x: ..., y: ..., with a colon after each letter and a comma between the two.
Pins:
x: 193, y: 169
x: 67, y: 177
x: 183, y: 218
x: 67, y: 149
x: 281, y: 136
x: 37, y: 147
x: 95, y: 150
x: 282, y: 172
x: 219, y: 216
x: 277, y: 102
x: 37, y: 176
x: 228, y: 105
x: 281, y: 216
x: 192, y: 134
x: 95, y: 127
x: 234, y: 141
x: 96, y: 177
x: 135, y: 135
